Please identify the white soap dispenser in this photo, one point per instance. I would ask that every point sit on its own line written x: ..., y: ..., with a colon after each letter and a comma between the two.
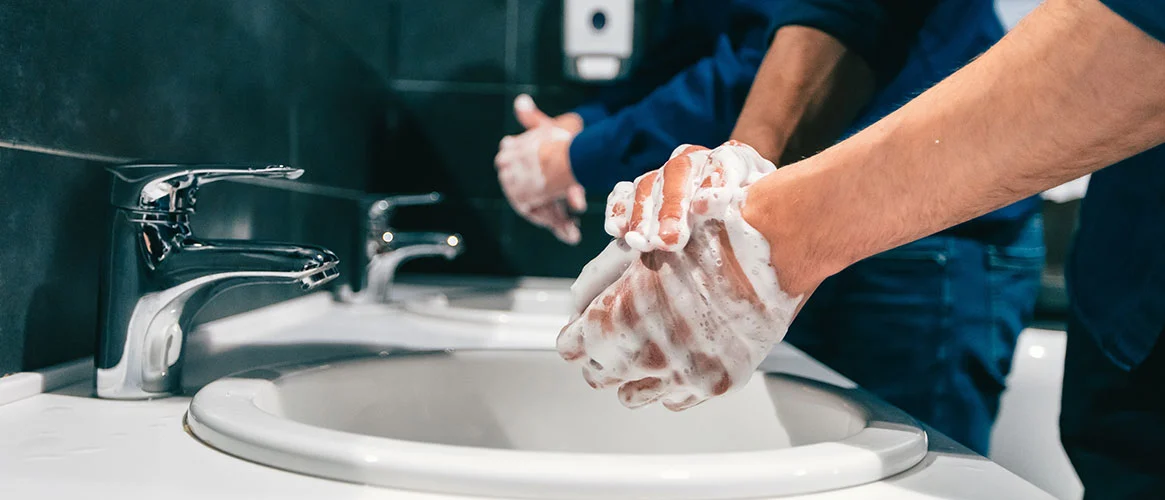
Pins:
x: 598, y: 38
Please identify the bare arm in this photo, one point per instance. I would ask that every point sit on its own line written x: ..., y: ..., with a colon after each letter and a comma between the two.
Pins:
x: 807, y: 89
x: 1073, y: 89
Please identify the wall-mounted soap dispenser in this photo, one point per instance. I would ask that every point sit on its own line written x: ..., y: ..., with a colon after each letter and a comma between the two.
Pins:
x: 599, y: 38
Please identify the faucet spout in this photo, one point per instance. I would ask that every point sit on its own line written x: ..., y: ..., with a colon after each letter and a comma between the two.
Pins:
x: 382, y: 266
x: 246, y: 262
x: 385, y: 249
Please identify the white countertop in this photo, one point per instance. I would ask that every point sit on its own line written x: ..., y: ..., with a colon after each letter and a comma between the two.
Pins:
x: 60, y: 442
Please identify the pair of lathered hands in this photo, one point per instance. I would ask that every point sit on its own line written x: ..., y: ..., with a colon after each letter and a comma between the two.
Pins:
x: 683, y: 304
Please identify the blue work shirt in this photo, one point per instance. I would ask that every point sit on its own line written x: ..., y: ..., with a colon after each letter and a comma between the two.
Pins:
x: 1116, y: 271
x: 633, y: 127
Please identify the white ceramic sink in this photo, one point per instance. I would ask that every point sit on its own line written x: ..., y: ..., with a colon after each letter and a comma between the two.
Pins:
x: 540, y: 308
x: 524, y: 424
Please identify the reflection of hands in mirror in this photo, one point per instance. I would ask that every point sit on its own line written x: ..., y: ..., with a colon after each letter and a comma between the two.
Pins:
x: 534, y: 170
x: 684, y: 304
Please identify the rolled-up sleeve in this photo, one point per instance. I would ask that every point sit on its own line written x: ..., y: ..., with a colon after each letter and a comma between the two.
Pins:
x: 882, y: 32
x: 700, y: 105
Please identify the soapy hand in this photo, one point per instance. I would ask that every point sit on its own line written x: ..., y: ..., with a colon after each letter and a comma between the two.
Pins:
x: 534, y: 170
x: 653, y: 212
x: 684, y: 304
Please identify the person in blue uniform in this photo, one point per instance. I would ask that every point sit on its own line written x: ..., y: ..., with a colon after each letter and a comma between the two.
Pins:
x: 1077, y: 88
x: 930, y: 326
x: 1112, y: 417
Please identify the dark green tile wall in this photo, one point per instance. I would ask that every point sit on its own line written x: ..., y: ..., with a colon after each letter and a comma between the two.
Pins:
x: 85, y: 84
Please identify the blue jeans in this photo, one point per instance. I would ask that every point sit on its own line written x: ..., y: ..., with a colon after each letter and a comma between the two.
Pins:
x: 931, y: 326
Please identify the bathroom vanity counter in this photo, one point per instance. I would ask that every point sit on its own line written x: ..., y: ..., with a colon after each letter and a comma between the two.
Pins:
x: 60, y: 442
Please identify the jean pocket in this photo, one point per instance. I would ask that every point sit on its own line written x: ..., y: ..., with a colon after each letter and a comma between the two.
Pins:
x: 1013, y: 279
x: 914, y: 261
x: 1016, y: 258
x: 914, y: 275
x: 912, y: 257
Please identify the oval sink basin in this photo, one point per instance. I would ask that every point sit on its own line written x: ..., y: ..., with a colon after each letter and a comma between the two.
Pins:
x: 524, y: 424
x: 527, y: 307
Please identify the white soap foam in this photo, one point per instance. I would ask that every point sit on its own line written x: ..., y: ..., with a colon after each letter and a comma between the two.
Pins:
x: 520, y: 169
x: 600, y: 273
x: 619, y: 204
x: 678, y: 326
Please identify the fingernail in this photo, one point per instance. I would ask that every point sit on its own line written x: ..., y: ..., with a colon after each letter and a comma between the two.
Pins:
x: 570, y: 235
x: 590, y: 380
x: 524, y: 103
x: 637, y: 241
x: 613, y: 228
x: 571, y: 352
x: 577, y: 198
x: 598, y: 381
x: 682, y: 405
x: 642, y: 392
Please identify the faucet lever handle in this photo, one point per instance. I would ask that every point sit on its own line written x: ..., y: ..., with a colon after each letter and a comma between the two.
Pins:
x: 171, y: 187
x: 380, y: 208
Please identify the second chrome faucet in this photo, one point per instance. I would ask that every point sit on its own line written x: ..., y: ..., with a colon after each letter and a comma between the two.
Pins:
x: 386, y: 248
x: 156, y: 274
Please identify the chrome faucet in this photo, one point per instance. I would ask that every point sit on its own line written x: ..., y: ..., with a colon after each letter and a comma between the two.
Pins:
x: 156, y: 274
x: 386, y: 249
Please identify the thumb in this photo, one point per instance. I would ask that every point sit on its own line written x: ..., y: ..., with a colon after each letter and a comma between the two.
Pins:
x: 528, y: 113
x: 600, y: 273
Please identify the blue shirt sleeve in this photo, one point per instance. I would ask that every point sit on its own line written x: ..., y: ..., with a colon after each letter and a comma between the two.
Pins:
x: 880, y: 31
x: 626, y: 135
x: 1149, y: 15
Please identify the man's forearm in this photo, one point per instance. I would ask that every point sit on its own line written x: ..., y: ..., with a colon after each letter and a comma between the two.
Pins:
x: 807, y: 90
x: 1073, y: 89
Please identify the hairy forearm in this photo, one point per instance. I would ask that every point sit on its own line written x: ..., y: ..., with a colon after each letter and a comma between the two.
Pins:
x: 1073, y: 89
x: 807, y: 90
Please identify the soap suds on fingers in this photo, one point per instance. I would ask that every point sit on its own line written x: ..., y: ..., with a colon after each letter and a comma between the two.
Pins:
x: 619, y: 204
x: 530, y: 190
x: 519, y: 168
x: 600, y: 273
x: 679, y: 324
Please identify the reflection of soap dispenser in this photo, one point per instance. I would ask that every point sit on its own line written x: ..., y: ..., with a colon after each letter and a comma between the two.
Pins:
x: 598, y: 37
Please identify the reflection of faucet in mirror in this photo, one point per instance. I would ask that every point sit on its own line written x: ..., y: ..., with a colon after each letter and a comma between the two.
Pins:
x: 386, y: 249
x: 156, y: 275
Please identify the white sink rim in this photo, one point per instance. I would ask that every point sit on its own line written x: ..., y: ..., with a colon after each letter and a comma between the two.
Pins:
x: 224, y: 416
x: 437, y: 306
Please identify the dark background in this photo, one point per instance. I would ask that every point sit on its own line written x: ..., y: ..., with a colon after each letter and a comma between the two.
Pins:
x: 370, y: 96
